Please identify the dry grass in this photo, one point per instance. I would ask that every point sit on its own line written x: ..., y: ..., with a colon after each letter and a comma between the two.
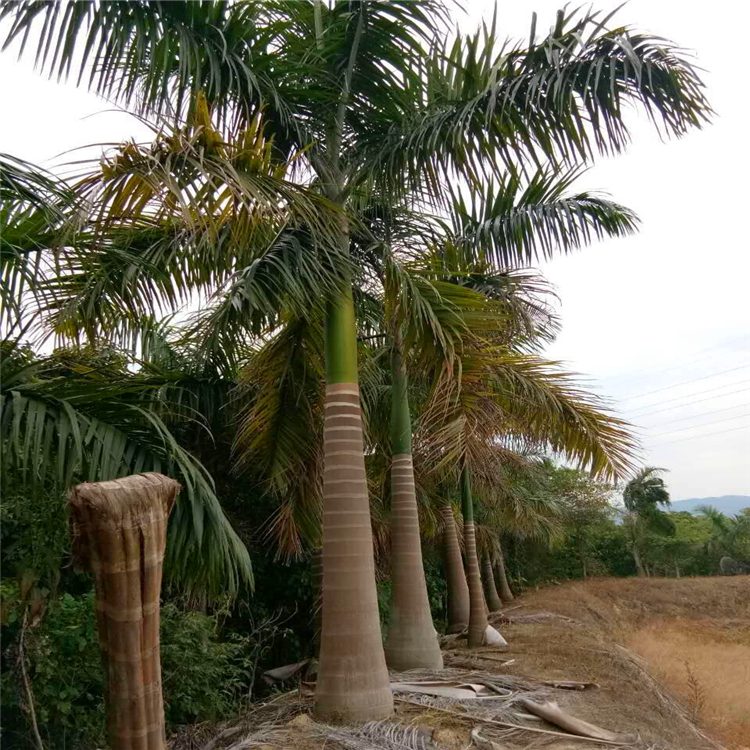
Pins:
x: 704, y: 622
x: 631, y: 637
x: 707, y: 665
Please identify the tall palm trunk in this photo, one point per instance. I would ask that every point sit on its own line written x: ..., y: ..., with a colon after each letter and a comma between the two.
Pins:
x: 353, y: 683
x: 458, y: 589
x: 412, y: 641
x: 477, y: 613
x: 493, y: 600
x: 505, y: 593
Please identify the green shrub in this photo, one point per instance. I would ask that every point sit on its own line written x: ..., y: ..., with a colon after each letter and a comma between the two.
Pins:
x: 204, y: 677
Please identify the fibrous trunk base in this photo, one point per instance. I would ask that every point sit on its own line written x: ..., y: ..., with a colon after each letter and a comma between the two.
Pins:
x: 120, y: 532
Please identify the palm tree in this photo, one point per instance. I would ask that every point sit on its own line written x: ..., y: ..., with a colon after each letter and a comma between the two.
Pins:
x: 642, y: 496
x: 35, y: 207
x: 504, y: 401
x: 386, y: 99
x: 727, y: 532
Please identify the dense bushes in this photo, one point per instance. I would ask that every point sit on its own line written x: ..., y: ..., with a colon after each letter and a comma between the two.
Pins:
x: 205, y: 676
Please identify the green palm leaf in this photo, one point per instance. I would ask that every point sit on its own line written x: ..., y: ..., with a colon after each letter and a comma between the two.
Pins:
x: 561, y: 98
x: 94, y: 426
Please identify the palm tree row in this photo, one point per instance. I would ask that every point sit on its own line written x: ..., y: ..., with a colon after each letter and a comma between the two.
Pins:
x: 314, y: 142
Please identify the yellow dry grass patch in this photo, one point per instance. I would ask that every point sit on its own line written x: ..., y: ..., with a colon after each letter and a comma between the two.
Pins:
x: 707, y: 665
x: 693, y: 634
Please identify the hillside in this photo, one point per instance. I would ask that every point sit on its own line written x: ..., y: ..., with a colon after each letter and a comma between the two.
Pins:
x: 728, y: 504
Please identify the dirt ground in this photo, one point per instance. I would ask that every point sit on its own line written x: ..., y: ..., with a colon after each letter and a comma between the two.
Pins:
x: 691, y: 643
x: 671, y: 659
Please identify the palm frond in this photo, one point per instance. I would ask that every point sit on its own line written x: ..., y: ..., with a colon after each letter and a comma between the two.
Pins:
x: 563, y: 97
x: 36, y: 209
x: 177, y: 218
x: 94, y: 426
x: 512, y: 222
x: 280, y: 428
x: 506, y: 402
x: 153, y: 56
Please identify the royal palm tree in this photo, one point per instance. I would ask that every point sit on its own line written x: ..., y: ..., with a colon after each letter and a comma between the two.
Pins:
x: 449, y: 290
x: 504, y: 400
x: 386, y: 98
x: 642, y: 496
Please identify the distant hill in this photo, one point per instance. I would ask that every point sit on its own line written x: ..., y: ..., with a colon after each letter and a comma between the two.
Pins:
x: 727, y: 504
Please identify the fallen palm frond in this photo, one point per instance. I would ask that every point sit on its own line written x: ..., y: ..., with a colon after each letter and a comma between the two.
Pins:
x: 552, y: 713
x: 536, y: 617
x: 514, y: 727
x: 377, y: 735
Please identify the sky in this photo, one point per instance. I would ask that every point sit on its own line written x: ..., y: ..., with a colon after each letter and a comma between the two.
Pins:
x: 658, y: 323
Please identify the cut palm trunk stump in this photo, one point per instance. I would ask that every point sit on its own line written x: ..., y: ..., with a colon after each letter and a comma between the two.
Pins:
x: 119, y: 533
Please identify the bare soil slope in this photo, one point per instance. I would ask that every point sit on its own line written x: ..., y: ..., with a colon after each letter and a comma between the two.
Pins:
x: 667, y: 653
x: 671, y: 659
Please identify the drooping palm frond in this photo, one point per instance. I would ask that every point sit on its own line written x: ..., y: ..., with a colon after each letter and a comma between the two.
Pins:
x: 36, y: 209
x: 519, y: 302
x: 94, y: 425
x: 175, y: 219
x: 279, y: 434
x: 513, y: 222
x: 433, y: 315
x: 518, y: 502
x: 156, y: 56
x: 152, y: 55
x: 505, y: 401
x: 288, y: 277
x: 563, y: 97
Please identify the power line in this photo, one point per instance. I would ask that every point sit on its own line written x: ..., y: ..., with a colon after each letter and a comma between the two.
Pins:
x: 650, y: 371
x: 687, y: 382
x: 707, y: 424
x: 695, y: 437
x: 694, y: 416
x: 690, y: 403
x: 697, y: 393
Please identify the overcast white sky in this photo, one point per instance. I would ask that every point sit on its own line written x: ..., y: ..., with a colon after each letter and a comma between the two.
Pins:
x: 659, y: 322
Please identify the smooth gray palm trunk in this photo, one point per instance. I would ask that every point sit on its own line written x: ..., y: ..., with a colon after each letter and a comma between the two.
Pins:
x: 494, y: 603
x: 502, y: 578
x: 353, y: 683
x: 477, y: 606
x: 412, y: 640
x: 458, y: 588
